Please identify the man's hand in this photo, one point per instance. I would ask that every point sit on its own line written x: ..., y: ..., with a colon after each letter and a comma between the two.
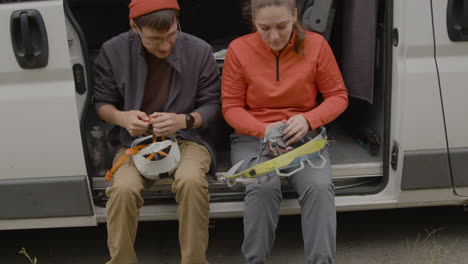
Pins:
x: 136, y: 122
x: 297, y: 129
x: 165, y: 124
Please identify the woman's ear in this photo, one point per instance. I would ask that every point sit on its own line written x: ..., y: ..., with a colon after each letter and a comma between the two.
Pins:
x: 252, y: 22
x: 133, y: 25
x: 295, y: 15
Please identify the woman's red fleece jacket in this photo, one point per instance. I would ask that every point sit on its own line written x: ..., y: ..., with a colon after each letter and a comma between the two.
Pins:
x: 261, y: 86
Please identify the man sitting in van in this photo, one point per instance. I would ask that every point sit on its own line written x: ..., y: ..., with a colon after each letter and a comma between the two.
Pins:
x: 157, y: 79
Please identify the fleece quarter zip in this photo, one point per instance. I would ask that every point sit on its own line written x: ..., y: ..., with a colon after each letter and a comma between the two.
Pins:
x: 261, y: 86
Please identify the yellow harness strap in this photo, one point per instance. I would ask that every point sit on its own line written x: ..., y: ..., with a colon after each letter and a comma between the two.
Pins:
x: 282, y: 160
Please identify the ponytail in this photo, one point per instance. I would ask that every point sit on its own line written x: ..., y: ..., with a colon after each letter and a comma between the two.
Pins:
x: 300, y: 36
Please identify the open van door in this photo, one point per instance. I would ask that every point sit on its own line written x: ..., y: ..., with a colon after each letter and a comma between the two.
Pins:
x: 450, y: 22
x: 43, y: 178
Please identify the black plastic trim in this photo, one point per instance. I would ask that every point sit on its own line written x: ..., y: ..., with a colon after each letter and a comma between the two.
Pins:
x: 460, y: 166
x: 45, y: 197
x: 394, y: 157
x: 396, y: 37
x: 425, y: 169
x: 457, y: 20
x: 79, y: 78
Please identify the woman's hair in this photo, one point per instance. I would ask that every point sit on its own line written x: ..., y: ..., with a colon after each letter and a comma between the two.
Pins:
x: 159, y: 20
x: 255, y: 5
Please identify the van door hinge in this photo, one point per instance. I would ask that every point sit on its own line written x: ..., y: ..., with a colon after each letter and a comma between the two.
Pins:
x: 394, y: 158
x: 395, y: 37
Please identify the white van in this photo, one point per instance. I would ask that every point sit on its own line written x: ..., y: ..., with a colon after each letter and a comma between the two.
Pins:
x: 402, y: 142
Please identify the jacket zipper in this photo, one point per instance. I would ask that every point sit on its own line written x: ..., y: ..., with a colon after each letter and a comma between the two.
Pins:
x: 277, y: 66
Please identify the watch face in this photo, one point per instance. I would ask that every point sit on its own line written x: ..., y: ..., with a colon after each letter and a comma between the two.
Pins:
x: 189, y: 120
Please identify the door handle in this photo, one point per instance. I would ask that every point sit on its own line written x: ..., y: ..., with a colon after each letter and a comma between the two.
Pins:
x: 29, y: 39
x: 457, y: 20
x: 26, y: 35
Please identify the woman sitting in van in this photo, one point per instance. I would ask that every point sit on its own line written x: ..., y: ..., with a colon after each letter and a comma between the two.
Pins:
x: 273, y: 77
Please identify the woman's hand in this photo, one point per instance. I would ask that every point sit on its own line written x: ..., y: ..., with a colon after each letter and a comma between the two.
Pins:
x: 297, y: 129
x: 274, y: 150
x: 272, y: 125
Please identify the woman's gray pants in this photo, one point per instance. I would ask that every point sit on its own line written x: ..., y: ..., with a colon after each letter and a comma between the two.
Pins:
x: 262, y: 203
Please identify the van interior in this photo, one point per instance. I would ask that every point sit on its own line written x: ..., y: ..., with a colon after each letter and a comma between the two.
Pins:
x: 357, y: 31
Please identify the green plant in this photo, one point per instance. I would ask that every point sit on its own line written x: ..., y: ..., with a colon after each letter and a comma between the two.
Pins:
x: 429, y: 250
x: 25, y: 253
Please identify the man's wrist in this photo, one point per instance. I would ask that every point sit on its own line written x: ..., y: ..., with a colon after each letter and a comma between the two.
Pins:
x: 189, y: 121
x: 181, y: 121
x: 118, y: 117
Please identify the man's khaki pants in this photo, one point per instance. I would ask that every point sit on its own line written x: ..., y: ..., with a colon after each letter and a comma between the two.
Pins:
x: 191, y: 191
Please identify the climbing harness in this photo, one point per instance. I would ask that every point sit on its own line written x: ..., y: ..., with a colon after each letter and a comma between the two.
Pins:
x: 155, y: 160
x: 283, y: 165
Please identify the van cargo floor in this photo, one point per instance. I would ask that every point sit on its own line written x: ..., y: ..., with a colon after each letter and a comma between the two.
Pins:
x: 352, y: 164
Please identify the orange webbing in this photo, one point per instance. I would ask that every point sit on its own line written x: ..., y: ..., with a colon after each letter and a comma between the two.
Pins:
x: 155, y: 139
x: 132, y: 151
x: 163, y: 153
x: 151, y: 156
x: 128, y: 152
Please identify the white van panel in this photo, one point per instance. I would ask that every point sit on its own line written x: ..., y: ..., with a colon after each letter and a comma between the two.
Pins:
x: 76, y: 57
x: 41, y: 129
x: 415, y: 86
x: 452, y: 58
x: 43, y: 178
x: 58, y: 53
x: 43, y: 137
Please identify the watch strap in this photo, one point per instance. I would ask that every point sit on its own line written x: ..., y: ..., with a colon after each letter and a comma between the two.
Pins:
x: 189, y: 121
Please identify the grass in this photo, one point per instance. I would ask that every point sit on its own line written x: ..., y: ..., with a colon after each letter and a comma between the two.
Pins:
x: 429, y: 250
x: 25, y: 253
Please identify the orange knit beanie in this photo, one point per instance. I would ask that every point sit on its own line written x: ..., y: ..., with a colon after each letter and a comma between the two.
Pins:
x: 143, y: 7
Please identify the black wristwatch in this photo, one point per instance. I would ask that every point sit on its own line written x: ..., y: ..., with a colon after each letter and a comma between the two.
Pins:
x: 189, y: 121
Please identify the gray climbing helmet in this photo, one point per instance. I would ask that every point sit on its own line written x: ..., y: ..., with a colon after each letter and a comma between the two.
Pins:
x: 159, y: 159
